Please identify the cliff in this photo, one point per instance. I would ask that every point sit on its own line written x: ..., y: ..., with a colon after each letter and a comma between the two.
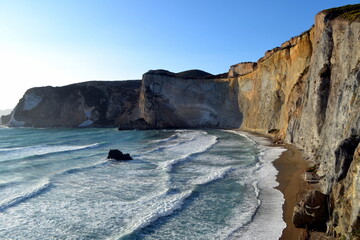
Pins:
x: 78, y: 105
x: 305, y: 92
x: 192, y: 99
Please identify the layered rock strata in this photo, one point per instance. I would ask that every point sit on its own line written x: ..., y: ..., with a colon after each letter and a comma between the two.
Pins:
x: 307, y: 91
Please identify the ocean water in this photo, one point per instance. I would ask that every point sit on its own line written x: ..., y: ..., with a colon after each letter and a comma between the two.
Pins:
x: 182, y: 184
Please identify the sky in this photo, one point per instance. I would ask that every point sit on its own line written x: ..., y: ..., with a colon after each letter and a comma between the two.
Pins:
x: 59, y: 42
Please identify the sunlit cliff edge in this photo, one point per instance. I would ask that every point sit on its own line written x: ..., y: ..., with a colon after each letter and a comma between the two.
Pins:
x: 306, y: 92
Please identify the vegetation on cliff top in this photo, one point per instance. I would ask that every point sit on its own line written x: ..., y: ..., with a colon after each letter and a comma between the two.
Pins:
x: 348, y: 12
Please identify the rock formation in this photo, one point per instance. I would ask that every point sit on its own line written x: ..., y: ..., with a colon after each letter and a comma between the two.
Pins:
x: 116, y: 154
x: 308, y: 89
x: 306, y: 92
x: 192, y: 99
x: 96, y: 103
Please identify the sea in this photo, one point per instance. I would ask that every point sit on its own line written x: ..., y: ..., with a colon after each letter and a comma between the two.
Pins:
x: 206, y: 184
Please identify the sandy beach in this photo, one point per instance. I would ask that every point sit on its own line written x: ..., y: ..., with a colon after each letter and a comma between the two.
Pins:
x: 291, y: 167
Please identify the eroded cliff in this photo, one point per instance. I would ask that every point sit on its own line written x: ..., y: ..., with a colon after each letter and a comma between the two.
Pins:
x: 307, y: 91
x: 78, y: 105
x: 192, y: 99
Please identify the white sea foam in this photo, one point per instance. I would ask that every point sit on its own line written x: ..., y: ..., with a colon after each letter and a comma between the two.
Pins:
x: 22, y: 152
x: 172, y: 141
x: 268, y: 221
x: 211, y: 174
x: 187, y: 149
x: 164, y: 140
x: 21, y: 197
x: 159, y: 206
x: 119, y: 199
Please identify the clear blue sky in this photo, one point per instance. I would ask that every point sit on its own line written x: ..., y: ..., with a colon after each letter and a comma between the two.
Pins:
x: 57, y: 42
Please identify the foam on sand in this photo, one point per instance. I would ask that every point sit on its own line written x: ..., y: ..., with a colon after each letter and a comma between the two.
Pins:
x: 268, y: 221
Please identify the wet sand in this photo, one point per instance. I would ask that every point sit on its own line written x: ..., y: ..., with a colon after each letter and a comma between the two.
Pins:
x: 291, y: 167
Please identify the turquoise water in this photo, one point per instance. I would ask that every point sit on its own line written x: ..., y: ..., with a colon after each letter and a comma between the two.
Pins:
x: 182, y: 184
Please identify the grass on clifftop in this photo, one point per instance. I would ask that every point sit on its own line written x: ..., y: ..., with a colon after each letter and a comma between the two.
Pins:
x: 348, y: 12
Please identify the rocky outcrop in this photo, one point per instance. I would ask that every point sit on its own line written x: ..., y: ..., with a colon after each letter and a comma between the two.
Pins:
x: 111, y: 103
x: 116, y: 154
x: 345, y: 195
x: 312, y: 211
x: 241, y: 69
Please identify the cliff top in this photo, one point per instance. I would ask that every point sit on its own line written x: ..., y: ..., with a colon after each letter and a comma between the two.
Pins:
x: 123, y: 84
x: 190, y: 74
x: 348, y: 12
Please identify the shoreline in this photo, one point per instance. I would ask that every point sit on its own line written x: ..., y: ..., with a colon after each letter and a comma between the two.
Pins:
x: 291, y: 166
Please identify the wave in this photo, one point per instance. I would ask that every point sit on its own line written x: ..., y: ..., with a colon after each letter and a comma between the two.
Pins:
x: 172, y: 141
x: 23, y: 152
x: 243, y: 134
x: 163, y: 148
x: 82, y: 168
x: 270, y: 201
x: 159, y: 141
x: 17, y: 199
x: 43, y: 187
x: 185, y: 157
x: 160, y: 206
x: 213, y: 176
x: 168, y: 202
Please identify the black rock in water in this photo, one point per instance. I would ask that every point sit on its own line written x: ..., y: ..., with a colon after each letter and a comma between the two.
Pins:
x: 118, y: 155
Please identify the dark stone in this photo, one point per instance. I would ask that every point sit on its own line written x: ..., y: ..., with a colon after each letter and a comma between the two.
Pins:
x: 64, y: 106
x: 5, y: 119
x: 312, y: 211
x: 139, y: 124
x: 344, y: 156
x: 274, y: 131
x: 118, y: 155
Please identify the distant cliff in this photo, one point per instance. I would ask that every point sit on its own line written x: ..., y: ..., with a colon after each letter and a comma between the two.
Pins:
x: 96, y: 103
x: 305, y: 92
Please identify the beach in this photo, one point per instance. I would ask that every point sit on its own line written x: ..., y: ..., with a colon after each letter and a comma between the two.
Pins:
x: 291, y: 167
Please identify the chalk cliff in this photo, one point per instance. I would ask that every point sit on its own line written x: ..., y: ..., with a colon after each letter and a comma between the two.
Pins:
x: 191, y: 99
x: 306, y: 92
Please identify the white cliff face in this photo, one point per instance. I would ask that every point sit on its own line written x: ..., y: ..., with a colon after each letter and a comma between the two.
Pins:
x: 31, y: 101
x: 168, y: 101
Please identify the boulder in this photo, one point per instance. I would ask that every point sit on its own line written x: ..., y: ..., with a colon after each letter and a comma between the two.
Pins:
x: 139, y: 124
x: 118, y: 155
x: 311, y: 212
x: 5, y: 119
